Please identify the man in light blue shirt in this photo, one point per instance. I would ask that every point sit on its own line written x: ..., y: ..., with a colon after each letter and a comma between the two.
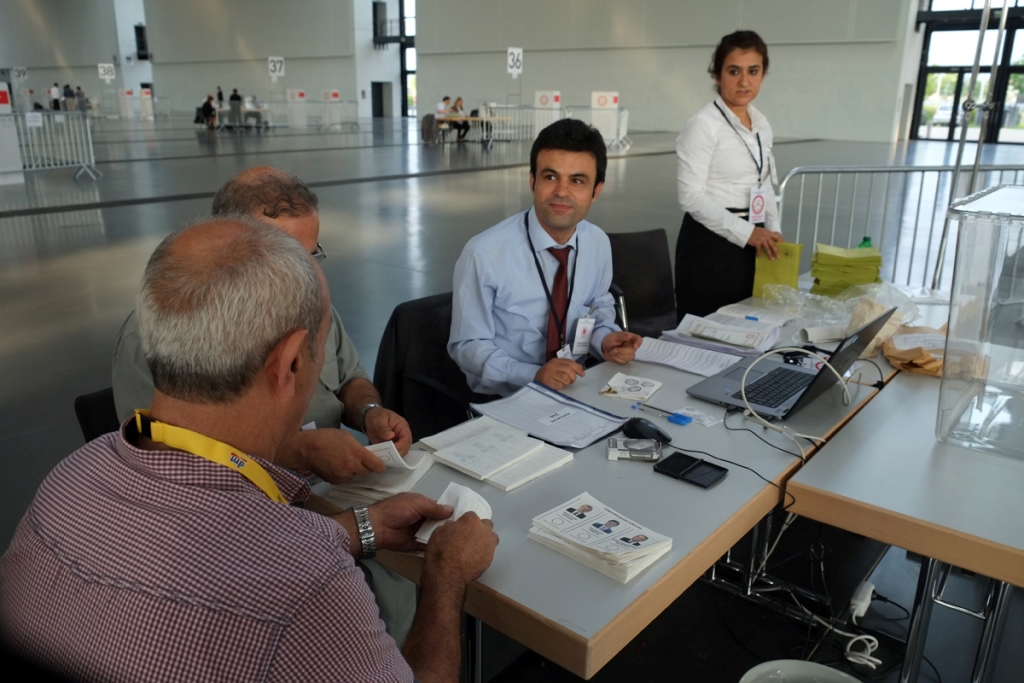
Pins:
x: 531, y: 290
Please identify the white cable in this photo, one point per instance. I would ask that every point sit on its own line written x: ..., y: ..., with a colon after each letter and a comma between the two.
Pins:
x: 863, y: 657
x: 786, y: 430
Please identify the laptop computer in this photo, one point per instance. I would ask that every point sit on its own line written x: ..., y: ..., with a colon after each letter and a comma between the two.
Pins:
x: 777, y: 389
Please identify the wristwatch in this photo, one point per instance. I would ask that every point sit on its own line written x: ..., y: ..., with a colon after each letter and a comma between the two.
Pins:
x: 367, y: 539
x: 362, y: 415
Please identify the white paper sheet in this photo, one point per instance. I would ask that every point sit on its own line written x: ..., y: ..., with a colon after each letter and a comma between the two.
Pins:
x: 461, y: 498
x: 488, y: 453
x: 459, y: 433
x: 534, y: 408
x: 548, y: 458
x: 630, y: 387
x: 777, y: 318
x: 924, y: 341
x: 391, y: 458
x: 702, y: 362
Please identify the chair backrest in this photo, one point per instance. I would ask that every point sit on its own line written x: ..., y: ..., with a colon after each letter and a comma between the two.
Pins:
x: 474, y: 113
x: 641, y: 266
x: 414, y: 373
x: 97, y: 414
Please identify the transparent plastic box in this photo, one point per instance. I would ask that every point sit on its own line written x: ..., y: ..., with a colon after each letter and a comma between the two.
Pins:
x: 981, y: 400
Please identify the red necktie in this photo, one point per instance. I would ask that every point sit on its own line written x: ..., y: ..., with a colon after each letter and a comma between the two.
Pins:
x: 560, y: 297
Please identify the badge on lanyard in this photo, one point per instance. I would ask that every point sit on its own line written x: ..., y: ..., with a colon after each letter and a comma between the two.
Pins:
x: 564, y: 352
x: 584, y: 330
x: 758, y: 204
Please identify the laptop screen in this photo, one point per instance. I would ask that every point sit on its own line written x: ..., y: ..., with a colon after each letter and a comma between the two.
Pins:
x: 843, y: 357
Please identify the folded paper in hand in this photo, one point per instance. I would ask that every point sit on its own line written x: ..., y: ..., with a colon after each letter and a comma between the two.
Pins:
x: 463, y: 500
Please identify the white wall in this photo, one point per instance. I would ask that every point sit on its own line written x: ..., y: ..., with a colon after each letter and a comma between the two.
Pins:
x: 128, y: 14
x: 372, y: 64
x: 58, y: 41
x: 200, y: 44
x: 837, y: 66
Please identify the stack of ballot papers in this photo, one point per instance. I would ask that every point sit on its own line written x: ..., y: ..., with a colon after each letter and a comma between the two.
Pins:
x: 595, y: 535
x: 725, y: 334
x: 834, y: 269
x: 400, y: 476
x: 688, y: 358
x: 493, y: 452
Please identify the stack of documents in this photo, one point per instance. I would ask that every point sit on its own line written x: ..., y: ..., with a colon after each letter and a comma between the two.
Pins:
x: 688, y: 358
x: 400, y: 476
x: 595, y: 535
x: 493, y: 452
x: 835, y: 269
x: 724, y: 333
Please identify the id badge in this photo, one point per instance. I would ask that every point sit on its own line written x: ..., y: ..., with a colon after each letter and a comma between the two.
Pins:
x: 584, y: 330
x: 564, y: 352
x: 758, y: 201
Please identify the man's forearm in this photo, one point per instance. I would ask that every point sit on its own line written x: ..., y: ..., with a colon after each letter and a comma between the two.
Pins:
x: 434, y: 646
x: 356, y: 394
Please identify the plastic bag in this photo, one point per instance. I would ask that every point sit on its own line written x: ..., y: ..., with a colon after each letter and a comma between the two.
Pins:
x: 814, y: 310
x: 884, y: 294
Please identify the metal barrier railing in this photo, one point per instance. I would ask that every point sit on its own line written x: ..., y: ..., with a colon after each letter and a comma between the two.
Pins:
x: 51, y: 140
x: 901, y: 208
x: 613, y: 123
x: 508, y: 122
x: 316, y: 114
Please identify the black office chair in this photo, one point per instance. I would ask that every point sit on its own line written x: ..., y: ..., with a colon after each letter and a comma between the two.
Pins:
x: 642, y: 270
x: 415, y: 375
x: 96, y: 413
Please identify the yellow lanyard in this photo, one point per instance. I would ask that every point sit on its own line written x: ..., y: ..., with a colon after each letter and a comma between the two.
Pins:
x: 203, y: 446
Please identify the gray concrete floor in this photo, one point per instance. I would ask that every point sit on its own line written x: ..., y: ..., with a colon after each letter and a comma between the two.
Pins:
x: 394, y: 214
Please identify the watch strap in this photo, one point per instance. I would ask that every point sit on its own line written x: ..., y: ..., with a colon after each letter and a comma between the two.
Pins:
x: 362, y: 415
x: 367, y: 539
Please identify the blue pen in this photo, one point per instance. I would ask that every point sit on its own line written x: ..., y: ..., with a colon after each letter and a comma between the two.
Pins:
x: 751, y: 317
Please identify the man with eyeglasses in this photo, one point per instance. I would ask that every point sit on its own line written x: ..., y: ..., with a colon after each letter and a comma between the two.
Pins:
x: 344, y: 394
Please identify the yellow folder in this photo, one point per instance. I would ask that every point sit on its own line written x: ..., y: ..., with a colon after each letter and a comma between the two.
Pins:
x: 784, y: 270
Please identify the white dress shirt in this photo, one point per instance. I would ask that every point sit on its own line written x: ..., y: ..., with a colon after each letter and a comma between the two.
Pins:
x: 500, y: 310
x: 717, y: 168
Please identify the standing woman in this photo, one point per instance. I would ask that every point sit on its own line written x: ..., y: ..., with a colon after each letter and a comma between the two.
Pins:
x: 725, y: 172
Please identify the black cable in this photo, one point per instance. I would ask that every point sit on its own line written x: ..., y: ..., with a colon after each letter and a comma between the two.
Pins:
x: 881, y: 598
x: 725, y: 421
x: 880, y: 384
x: 759, y: 475
x: 934, y: 668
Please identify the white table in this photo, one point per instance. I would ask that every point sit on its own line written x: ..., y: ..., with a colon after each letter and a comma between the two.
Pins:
x: 885, y: 476
x: 578, y: 617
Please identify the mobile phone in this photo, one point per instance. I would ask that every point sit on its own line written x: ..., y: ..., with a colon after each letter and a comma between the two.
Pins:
x: 692, y: 470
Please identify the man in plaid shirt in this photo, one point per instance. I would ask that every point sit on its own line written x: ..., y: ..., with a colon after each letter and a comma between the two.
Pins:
x: 142, y: 560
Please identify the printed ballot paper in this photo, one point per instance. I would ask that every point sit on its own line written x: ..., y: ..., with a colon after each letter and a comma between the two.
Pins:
x: 502, y: 456
x: 389, y: 455
x: 601, y: 538
x: 400, y: 476
x: 632, y: 388
x: 463, y: 500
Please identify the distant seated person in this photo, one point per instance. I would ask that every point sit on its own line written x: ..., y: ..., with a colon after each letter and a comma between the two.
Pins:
x: 461, y: 126
x: 178, y: 549
x: 531, y: 293
x: 443, y: 108
x: 252, y: 111
x: 209, y: 112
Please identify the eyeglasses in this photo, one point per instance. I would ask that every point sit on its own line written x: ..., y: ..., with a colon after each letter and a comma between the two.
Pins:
x: 319, y: 254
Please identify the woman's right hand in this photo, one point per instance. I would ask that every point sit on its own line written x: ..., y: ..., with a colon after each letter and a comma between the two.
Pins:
x: 764, y: 241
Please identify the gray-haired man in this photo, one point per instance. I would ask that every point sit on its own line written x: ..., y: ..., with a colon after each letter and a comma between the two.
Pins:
x: 343, y: 394
x: 177, y: 549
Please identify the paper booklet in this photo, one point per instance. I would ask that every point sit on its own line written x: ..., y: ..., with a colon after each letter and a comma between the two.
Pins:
x: 599, y: 537
x: 743, y: 311
x: 461, y: 498
x: 552, y: 416
x: 496, y: 453
x: 726, y: 334
x: 389, y: 455
x: 702, y: 362
x: 374, y: 487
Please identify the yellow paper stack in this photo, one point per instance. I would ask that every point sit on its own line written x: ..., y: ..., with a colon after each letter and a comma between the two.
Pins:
x: 834, y: 269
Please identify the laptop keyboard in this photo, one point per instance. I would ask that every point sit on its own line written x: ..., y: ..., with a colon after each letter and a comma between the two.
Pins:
x: 775, y: 388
